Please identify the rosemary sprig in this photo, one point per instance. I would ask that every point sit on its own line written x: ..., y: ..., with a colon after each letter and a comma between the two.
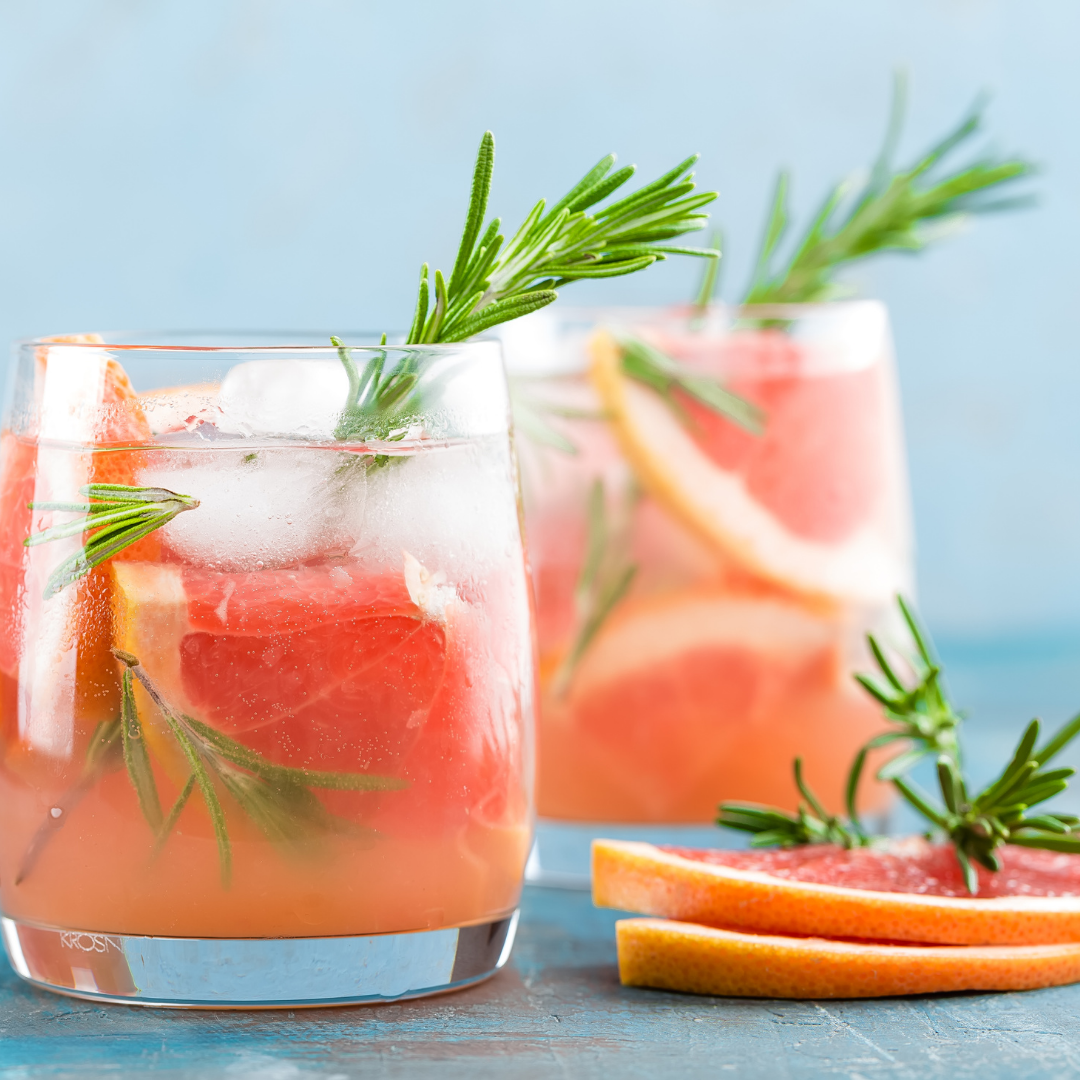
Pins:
x: 277, y: 798
x: 976, y: 826
x: 493, y: 282
x: 116, y: 515
x: 604, y: 580
x: 531, y: 412
x: 771, y: 827
x: 998, y: 815
x: 921, y: 714
x: 649, y: 366
x: 891, y: 211
x: 710, y: 283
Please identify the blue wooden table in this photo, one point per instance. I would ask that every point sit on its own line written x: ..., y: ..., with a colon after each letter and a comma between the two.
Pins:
x: 558, y: 1009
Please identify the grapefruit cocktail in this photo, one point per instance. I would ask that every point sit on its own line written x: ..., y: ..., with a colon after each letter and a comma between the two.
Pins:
x: 717, y: 513
x: 267, y: 672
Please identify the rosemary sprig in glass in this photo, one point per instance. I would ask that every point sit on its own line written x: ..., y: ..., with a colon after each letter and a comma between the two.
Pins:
x: 605, y: 578
x: 649, y: 366
x: 115, y: 516
x: 493, y: 282
x: 278, y: 799
x: 893, y: 210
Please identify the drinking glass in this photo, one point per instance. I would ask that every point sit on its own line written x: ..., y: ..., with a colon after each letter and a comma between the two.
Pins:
x: 266, y: 669
x: 704, y: 588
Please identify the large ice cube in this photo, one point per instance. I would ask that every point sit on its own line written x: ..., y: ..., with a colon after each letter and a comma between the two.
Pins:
x: 259, y: 509
x: 284, y: 396
x: 452, y: 508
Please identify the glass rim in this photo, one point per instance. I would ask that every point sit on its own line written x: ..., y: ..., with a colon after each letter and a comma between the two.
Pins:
x: 568, y: 312
x: 164, y: 344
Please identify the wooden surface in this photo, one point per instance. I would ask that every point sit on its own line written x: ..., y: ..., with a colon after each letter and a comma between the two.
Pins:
x: 558, y: 1010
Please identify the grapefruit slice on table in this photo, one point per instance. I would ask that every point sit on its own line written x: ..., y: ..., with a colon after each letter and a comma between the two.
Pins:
x: 912, y: 892
x: 768, y: 503
x: 704, y: 960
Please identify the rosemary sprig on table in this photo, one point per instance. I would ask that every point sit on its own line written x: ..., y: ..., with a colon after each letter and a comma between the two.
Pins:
x: 891, y: 211
x: 116, y: 515
x: 921, y: 714
x: 278, y: 798
x: 997, y: 815
x: 976, y: 826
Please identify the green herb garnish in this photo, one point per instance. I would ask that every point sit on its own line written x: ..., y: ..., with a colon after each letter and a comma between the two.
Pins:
x: 117, y: 515
x: 893, y: 210
x: 605, y: 578
x: 277, y: 798
x: 104, y: 754
x: 493, y: 282
x: 975, y: 825
x: 648, y: 365
x: 978, y: 825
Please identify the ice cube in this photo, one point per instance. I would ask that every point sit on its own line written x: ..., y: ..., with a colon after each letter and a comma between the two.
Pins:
x: 283, y: 397
x: 259, y: 509
x: 451, y: 508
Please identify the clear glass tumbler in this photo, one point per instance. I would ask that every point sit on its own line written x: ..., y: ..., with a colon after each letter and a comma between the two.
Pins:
x: 703, y: 590
x: 266, y: 670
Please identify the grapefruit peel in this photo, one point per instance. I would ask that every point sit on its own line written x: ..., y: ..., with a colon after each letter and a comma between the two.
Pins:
x: 705, y: 960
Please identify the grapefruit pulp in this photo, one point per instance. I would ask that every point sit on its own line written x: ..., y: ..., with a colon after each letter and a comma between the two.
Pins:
x: 669, y: 707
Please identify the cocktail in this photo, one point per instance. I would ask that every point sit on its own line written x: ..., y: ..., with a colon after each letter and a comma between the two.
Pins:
x: 266, y: 657
x: 717, y: 513
x: 266, y: 734
x: 704, y: 576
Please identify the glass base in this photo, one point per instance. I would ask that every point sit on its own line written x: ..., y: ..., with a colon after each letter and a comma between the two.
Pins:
x: 561, y: 857
x: 252, y: 973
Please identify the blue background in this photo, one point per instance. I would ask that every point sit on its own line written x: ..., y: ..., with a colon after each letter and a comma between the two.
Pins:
x: 283, y: 163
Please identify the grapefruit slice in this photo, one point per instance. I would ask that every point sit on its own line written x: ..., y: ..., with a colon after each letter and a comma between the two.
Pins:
x: 713, y: 889
x: 59, y: 649
x: 704, y: 960
x: 668, y: 709
x: 776, y: 520
x: 321, y: 667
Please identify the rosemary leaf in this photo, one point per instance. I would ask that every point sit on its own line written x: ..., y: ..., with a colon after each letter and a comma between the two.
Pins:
x: 604, y: 580
x: 246, y: 758
x: 174, y: 813
x: 115, y: 516
x: 894, y: 210
x: 649, y: 366
x: 136, y: 757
